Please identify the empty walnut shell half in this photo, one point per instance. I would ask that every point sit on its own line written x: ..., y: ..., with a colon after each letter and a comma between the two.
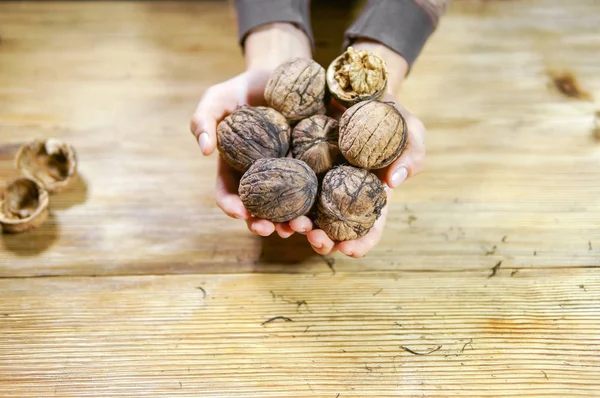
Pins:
x: 50, y: 162
x: 278, y: 189
x: 372, y: 134
x: 250, y: 133
x: 297, y: 89
x: 350, y: 202
x: 24, y: 205
x: 315, y: 141
x: 355, y: 76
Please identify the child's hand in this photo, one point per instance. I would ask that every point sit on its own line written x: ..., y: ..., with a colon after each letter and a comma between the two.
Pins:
x: 217, y: 102
x: 266, y: 47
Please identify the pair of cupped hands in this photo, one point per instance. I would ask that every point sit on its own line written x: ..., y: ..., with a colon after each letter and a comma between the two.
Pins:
x: 248, y: 88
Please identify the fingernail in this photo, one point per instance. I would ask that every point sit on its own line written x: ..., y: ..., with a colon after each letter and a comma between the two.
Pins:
x: 317, y: 246
x: 399, y: 176
x: 203, y: 141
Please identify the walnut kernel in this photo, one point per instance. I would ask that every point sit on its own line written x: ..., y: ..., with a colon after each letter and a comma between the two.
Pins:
x: 350, y: 202
x: 250, y: 133
x: 51, y: 162
x: 372, y: 134
x: 24, y: 205
x: 355, y: 76
x: 297, y: 89
x: 315, y: 141
x: 278, y: 189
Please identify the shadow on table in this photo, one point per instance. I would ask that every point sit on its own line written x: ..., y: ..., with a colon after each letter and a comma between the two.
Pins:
x: 290, y: 251
x: 33, y: 242
x: 75, y: 194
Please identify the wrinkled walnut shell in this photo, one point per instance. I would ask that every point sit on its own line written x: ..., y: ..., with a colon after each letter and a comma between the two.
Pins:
x: 24, y: 205
x: 250, y: 133
x: 278, y: 189
x: 350, y: 202
x: 355, y: 76
x: 297, y: 89
x: 52, y: 163
x: 372, y: 134
x: 315, y: 141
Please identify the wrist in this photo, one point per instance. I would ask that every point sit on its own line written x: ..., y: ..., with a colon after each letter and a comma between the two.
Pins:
x: 268, y: 46
x: 396, y: 64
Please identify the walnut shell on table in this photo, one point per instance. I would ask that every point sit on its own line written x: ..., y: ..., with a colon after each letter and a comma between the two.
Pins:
x: 278, y: 189
x: 372, y: 134
x: 356, y: 76
x: 297, y: 89
x: 315, y: 141
x: 350, y: 202
x: 251, y: 133
x: 51, y: 162
x: 23, y: 206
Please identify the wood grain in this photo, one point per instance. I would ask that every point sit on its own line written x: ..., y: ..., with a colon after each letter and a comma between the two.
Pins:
x: 139, y: 286
x: 530, y: 335
x: 508, y: 155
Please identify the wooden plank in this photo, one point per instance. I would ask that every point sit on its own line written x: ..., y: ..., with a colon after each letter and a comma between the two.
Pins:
x: 531, y: 334
x: 508, y: 155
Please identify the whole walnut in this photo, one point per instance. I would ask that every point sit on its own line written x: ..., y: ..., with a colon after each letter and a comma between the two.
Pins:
x: 350, y: 202
x: 278, y: 189
x: 372, y: 134
x: 250, y: 133
x: 297, y: 89
x: 355, y: 76
x: 315, y: 141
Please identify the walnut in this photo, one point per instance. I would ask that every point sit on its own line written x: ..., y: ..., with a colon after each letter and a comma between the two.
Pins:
x: 372, y: 134
x: 51, y: 162
x: 350, y: 202
x: 24, y: 205
x: 297, y: 89
x: 315, y: 141
x: 355, y: 76
x: 278, y: 189
x: 251, y: 133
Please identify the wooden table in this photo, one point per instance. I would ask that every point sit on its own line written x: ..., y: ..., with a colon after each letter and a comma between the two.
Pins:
x: 139, y: 286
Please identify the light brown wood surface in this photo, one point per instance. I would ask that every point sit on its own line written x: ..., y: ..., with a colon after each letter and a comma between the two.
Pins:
x: 104, y: 300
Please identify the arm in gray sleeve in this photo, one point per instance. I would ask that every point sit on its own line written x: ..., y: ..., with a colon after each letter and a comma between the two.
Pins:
x: 254, y: 13
x: 402, y: 25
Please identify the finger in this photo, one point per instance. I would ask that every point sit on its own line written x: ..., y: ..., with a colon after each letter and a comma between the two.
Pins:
x: 204, y: 123
x: 260, y: 227
x: 302, y: 225
x: 216, y: 103
x: 412, y: 160
x: 320, y: 242
x: 360, y: 247
x: 284, y: 230
x: 227, y: 197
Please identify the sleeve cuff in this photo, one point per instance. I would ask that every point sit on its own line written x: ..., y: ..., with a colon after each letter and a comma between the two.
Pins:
x: 401, y: 25
x: 254, y: 13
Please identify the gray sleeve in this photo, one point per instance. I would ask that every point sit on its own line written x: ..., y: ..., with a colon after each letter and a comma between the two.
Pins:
x: 253, y: 13
x: 402, y: 25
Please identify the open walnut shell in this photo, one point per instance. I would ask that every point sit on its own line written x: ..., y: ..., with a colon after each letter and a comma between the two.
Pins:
x: 355, y: 76
x: 24, y: 205
x: 52, y: 163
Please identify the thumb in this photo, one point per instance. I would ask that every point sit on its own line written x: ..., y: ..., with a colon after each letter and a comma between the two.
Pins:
x: 204, y: 128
